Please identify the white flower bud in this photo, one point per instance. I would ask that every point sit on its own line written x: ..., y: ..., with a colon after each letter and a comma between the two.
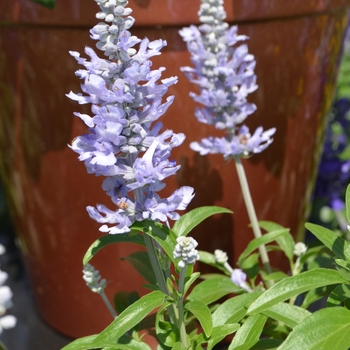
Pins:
x: 8, y: 321
x: 185, y: 249
x: 92, y: 278
x: 300, y: 249
x: 100, y: 15
x: 220, y: 256
x: 109, y: 18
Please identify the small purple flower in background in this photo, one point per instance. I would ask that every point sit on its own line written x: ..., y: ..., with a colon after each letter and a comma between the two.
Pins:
x: 333, y: 173
x: 224, y: 71
x: 123, y: 141
x: 239, y: 278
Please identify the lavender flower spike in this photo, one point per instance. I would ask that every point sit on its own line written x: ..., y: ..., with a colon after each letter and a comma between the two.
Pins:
x: 224, y: 71
x: 123, y: 141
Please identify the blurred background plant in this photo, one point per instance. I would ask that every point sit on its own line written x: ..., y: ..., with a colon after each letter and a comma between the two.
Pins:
x: 47, y: 3
x: 328, y: 207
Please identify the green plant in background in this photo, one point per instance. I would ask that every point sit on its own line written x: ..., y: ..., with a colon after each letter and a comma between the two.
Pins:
x: 47, y: 3
x: 333, y: 174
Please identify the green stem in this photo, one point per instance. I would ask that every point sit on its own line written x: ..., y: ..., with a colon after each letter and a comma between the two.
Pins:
x: 108, y: 304
x: 152, y: 253
x: 155, y: 264
x: 251, y: 212
x: 180, y: 307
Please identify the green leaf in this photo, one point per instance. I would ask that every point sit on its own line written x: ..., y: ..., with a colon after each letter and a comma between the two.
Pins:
x: 343, y: 264
x: 228, y: 311
x: 339, y: 246
x: 190, y: 220
x: 338, y: 295
x: 160, y: 233
x: 207, y: 258
x: 249, y: 333
x: 202, y: 314
x: 47, y: 3
x: 286, y: 242
x: 127, y: 343
x: 167, y: 333
x: 213, y: 289
x: 257, y: 242
x: 122, y: 300
x: 276, y: 276
x: 190, y: 281
x: 328, y: 328
x: 221, y: 332
x: 316, y: 294
x: 250, y: 265
x: 81, y: 343
x: 179, y: 346
x: 129, y: 318
x: 314, y: 251
x: 267, y: 344
x: 293, y: 286
x: 111, y: 239
x: 347, y: 203
x: 141, y: 263
x: 218, y: 334
x: 291, y: 315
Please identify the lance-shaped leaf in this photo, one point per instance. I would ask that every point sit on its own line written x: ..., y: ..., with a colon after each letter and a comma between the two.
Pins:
x: 190, y: 220
x: 218, y: 334
x: 257, y: 242
x: 347, y: 203
x: 286, y: 242
x: 213, y: 289
x: 338, y: 295
x: 343, y: 264
x: 202, y: 314
x: 328, y: 328
x: 291, y: 315
x: 162, y: 234
x: 125, y: 343
x: 339, y: 246
x: 111, y: 239
x: 295, y: 285
x: 129, y: 318
x: 249, y: 333
x: 81, y: 343
x: 233, y: 309
x: 141, y: 263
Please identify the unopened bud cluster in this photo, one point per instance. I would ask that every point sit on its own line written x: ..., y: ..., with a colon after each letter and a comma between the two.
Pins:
x: 300, y: 249
x: 185, y: 249
x: 220, y: 256
x: 93, y: 279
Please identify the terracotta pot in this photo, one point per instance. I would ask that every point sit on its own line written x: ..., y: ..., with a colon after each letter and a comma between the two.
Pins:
x: 296, y: 45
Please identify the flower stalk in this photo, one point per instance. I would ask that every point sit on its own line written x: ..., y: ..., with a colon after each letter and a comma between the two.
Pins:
x: 251, y: 212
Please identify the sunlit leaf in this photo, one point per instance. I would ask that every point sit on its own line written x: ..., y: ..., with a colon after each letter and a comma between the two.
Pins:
x: 295, y: 285
x: 190, y: 220
x: 105, y: 241
x: 327, y: 328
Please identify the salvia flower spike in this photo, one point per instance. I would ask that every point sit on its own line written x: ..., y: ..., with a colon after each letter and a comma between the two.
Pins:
x: 224, y: 72
x: 124, y: 142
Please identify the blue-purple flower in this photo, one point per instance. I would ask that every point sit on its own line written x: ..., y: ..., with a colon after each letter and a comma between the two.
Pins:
x: 224, y: 71
x: 124, y: 141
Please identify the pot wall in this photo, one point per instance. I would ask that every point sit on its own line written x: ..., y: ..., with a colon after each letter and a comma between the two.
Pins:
x: 296, y: 45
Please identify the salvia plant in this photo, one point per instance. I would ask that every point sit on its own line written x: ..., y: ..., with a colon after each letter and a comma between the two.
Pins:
x: 250, y: 305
